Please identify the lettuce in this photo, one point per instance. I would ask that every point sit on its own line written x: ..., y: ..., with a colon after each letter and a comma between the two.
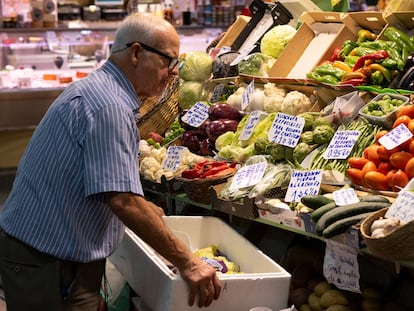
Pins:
x: 276, y: 39
x: 196, y: 66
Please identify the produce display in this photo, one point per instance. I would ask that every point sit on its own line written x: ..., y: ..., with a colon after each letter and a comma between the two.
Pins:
x: 366, y: 61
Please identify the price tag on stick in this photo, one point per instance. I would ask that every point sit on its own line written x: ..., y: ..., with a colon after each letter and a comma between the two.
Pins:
x: 303, y: 183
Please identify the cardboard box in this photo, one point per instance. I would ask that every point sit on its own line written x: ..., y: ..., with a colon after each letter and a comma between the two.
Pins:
x: 313, y: 42
x: 245, y: 209
x: 263, y: 283
x: 401, y: 20
x: 372, y: 21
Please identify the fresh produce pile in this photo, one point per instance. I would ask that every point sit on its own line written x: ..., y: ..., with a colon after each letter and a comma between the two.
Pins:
x: 366, y: 61
x: 209, y: 169
x: 217, y: 259
x: 331, y: 219
x: 381, y: 169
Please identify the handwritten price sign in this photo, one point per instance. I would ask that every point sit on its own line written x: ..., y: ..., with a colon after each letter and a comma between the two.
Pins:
x: 341, y: 145
x: 196, y: 115
x: 254, y: 118
x: 248, y: 175
x: 303, y: 183
x: 286, y: 129
x: 173, y: 158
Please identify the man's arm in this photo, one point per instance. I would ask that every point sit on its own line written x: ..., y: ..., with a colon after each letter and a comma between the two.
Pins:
x: 143, y: 218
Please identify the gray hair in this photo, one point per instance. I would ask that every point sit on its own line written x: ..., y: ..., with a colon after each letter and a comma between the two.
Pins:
x: 137, y: 27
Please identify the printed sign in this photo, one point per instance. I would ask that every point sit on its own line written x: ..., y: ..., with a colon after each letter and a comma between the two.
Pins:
x: 196, y: 115
x: 173, y: 157
x: 286, y: 129
x: 341, y: 145
x: 303, y: 183
x: 341, y: 266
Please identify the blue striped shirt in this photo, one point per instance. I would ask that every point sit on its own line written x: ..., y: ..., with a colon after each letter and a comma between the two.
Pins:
x: 86, y: 144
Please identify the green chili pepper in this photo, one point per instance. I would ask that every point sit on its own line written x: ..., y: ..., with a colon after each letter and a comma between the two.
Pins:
x: 396, y: 35
x: 347, y: 47
x: 322, y: 78
x: 361, y: 51
x: 350, y: 60
x: 377, y: 78
x: 390, y: 63
x: 328, y: 69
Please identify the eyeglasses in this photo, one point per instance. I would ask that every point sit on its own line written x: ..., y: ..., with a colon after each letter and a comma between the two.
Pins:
x: 173, y: 61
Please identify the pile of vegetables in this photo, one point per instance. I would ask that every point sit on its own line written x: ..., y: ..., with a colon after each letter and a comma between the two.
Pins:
x: 366, y: 61
x: 217, y: 259
x: 222, y: 118
x: 209, y: 169
x: 196, y: 68
x: 381, y: 169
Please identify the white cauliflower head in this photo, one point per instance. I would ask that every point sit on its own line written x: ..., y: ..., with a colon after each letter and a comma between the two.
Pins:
x: 295, y: 103
x: 273, y: 103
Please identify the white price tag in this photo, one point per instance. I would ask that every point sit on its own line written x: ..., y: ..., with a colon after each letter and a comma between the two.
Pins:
x: 247, y: 176
x: 341, y: 145
x: 345, y: 196
x: 247, y: 95
x: 252, y: 120
x: 341, y: 266
x: 403, y: 206
x: 217, y: 92
x: 395, y: 137
x: 173, y: 158
x: 286, y: 129
x: 196, y: 115
x: 303, y: 183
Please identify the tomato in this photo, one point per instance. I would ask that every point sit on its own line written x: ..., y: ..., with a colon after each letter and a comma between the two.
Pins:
x: 376, y: 180
x: 411, y: 146
x: 371, y: 153
x: 411, y: 126
x: 355, y: 175
x: 368, y: 167
x: 384, y: 167
x: 379, y: 135
x: 399, y: 180
x: 389, y: 177
x: 399, y: 159
x: 407, y: 110
x: 385, y: 154
x: 409, y: 168
x: 405, y: 146
x: 401, y: 120
x: 357, y: 162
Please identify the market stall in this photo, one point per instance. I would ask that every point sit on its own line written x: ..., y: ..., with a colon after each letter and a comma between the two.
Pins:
x: 308, y: 131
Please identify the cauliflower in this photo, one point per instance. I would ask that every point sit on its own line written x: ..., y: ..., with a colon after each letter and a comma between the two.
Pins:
x: 271, y: 89
x: 158, y: 154
x: 148, y: 167
x: 295, y: 103
x: 144, y: 148
x: 235, y: 99
x: 257, y: 100
x: 273, y: 103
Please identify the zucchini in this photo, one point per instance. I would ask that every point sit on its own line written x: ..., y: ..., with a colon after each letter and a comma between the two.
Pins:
x: 316, y: 214
x: 373, y: 198
x: 315, y: 201
x: 341, y: 225
x: 346, y: 211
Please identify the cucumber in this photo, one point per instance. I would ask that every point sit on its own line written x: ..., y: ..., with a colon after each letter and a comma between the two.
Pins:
x: 315, y: 201
x: 341, y: 225
x: 373, y: 198
x: 316, y: 214
x: 346, y: 211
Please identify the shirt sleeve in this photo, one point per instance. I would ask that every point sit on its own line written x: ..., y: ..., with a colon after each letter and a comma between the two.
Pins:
x: 110, y: 152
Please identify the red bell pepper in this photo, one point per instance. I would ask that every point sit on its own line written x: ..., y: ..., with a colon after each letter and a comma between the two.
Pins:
x: 378, y: 55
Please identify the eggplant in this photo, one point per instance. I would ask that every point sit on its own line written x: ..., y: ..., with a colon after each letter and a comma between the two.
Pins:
x: 409, y: 61
x: 407, y: 80
x: 224, y: 111
x: 191, y: 139
x: 218, y: 127
x: 207, y: 147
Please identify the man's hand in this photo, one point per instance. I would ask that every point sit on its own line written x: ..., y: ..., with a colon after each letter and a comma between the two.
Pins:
x: 202, y: 281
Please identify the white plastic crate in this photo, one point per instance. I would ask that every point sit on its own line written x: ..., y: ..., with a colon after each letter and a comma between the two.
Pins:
x: 262, y: 283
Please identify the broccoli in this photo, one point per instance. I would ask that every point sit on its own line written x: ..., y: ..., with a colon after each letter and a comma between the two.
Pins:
x: 323, y: 134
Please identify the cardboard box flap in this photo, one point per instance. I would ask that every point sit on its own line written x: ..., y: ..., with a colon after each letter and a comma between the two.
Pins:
x: 323, y: 17
x: 402, y: 20
x: 373, y: 21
